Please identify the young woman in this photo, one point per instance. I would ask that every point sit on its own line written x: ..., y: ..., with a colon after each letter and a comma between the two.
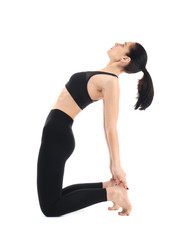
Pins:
x: 58, y: 143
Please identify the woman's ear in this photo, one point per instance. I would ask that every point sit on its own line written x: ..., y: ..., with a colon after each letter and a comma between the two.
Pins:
x: 125, y: 59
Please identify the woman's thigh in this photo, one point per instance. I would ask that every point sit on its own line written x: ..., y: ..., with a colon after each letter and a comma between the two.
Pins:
x: 56, y: 147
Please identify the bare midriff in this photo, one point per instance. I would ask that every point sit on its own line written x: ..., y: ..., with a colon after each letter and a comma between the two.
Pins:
x: 66, y: 103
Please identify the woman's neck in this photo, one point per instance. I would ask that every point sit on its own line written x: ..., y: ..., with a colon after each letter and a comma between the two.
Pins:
x: 112, y: 67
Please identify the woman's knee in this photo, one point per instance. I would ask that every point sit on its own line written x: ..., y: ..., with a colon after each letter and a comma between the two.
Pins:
x: 48, y: 212
x: 51, y: 211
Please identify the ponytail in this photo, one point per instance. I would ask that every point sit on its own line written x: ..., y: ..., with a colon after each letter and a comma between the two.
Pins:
x: 145, y: 91
x: 139, y: 57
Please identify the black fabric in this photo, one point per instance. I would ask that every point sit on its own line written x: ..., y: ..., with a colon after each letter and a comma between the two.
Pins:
x: 57, y: 144
x: 77, y: 87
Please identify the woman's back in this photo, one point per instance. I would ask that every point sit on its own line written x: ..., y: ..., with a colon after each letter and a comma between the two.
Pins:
x: 82, y: 89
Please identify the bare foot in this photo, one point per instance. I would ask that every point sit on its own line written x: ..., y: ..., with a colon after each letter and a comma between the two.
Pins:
x: 107, y: 184
x: 118, y: 194
x: 123, y: 201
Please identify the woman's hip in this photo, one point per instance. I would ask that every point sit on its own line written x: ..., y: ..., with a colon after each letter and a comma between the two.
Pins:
x: 57, y: 134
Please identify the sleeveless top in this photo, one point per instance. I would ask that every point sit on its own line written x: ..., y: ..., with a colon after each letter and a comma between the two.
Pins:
x: 77, y: 87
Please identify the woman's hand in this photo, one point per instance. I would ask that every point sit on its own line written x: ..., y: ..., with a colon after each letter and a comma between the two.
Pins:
x: 118, y: 175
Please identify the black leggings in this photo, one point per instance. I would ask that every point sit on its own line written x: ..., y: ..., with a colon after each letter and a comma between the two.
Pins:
x: 57, y: 144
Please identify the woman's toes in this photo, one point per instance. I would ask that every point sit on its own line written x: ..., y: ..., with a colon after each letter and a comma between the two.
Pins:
x: 123, y: 213
x: 110, y: 208
x: 114, y: 207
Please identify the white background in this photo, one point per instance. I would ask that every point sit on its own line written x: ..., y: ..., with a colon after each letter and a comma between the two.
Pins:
x: 42, y: 44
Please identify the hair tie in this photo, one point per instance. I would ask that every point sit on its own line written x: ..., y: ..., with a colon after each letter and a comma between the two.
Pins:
x: 144, y: 70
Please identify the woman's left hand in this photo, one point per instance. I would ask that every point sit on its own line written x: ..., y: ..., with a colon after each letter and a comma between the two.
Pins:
x: 118, y: 175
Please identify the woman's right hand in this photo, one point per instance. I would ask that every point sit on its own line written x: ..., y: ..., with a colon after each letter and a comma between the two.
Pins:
x: 118, y: 175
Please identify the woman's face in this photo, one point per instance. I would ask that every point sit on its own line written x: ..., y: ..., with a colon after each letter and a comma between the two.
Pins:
x: 119, y: 50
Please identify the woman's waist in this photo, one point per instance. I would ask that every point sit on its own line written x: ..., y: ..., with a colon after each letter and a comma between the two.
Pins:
x: 59, y: 117
x: 66, y: 103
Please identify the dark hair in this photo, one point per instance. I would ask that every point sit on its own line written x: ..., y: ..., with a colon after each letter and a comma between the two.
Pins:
x: 138, y: 62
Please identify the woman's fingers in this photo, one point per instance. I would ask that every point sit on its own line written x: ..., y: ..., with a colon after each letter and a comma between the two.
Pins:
x: 115, y: 179
x: 124, y: 183
x: 119, y: 181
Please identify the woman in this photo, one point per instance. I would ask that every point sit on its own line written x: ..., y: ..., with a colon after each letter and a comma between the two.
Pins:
x: 58, y: 143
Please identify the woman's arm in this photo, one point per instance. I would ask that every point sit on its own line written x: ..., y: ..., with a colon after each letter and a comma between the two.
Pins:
x: 107, y: 143
x: 111, y: 110
x: 110, y: 113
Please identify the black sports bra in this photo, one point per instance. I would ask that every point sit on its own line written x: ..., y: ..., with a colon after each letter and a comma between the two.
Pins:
x: 77, y: 87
